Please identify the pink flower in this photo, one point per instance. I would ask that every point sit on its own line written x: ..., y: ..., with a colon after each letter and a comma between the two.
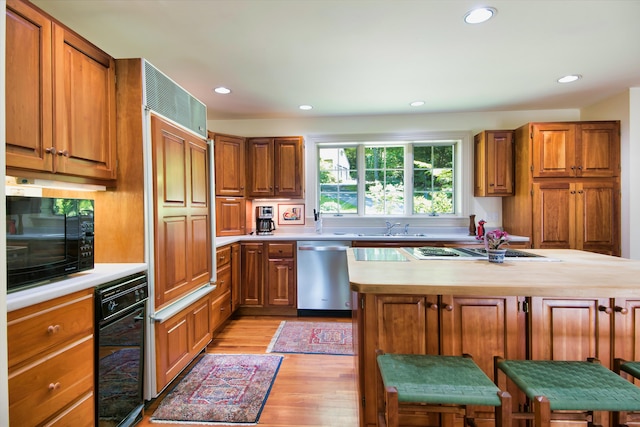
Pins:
x: 496, y: 238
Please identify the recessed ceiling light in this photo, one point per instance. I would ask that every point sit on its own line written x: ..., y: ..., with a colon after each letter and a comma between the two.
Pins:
x: 569, y: 78
x: 222, y: 90
x: 417, y: 103
x: 305, y: 107
x: 479, y: 15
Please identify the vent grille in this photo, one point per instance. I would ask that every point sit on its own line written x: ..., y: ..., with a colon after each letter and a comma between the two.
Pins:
x: 167, y: 98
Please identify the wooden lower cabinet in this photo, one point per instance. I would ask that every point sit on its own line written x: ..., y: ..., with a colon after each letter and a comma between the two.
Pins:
x: 51, y: 362
x: 221, y: 296
x: 570, y: 329
x: 432, y: 325
x: 180, y: 338
x: 252, y: 288
x: 236, y: 275
x: 269, y: 275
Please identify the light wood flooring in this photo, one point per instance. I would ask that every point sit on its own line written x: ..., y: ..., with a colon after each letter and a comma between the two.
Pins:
x: 309, y: 390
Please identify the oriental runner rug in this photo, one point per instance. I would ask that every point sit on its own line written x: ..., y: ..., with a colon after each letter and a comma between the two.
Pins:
x: 221, y: 389
x: 313, y: 338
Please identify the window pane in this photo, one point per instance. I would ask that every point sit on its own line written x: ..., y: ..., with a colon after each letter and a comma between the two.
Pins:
x: 337, y: 178
x: 384, y: 181
x: 433, y: 179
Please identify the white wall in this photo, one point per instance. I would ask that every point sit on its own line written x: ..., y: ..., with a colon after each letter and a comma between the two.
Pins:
x: 625, y: 107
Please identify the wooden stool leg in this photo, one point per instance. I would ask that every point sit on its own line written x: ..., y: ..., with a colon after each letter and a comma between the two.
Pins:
x: 503, y: 412
x: 542, y: 412
x: 391, y: 406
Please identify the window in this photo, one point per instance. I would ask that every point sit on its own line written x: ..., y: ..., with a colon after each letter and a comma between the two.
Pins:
x: 399, y: 178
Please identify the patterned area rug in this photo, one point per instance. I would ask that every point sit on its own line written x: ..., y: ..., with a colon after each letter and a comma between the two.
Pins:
x: 221, y: 389
x: 313, y: 338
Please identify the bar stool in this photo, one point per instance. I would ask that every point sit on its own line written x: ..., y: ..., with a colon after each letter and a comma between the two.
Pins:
x: 553, y: 385
x: 633, y: 369
x: 444, y: 384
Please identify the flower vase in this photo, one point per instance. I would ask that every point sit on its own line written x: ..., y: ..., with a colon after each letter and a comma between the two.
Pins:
x: 496, y: 255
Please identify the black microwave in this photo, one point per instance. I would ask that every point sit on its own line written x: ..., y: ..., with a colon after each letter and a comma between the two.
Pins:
x: 47, y: 238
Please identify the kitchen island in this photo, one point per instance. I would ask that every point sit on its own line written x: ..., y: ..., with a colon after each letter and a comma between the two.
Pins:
x: 568, y: 306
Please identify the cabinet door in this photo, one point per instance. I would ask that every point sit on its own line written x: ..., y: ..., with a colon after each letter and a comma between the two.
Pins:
x: 398, y: 324
x: 288, y: 164
x: 230, y: 170
x: 570, y: 329
x: 554, y: 150
x: 84, y: 97
x: 252, y: 287
x: 260, y: 167
x: 182, y: 226
x: 554, y: 213
x: 499, y: 335
x: 598, y: 149
x: 626, y: 329
x: 597, y: 217
x: 494, y: 163
x: 29, y: 88
x: 230, y: 216
x: 281, y: 283
x: 236, y: 273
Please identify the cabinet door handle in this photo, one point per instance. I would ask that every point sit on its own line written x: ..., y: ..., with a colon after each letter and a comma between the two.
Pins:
x: 432, y: 306
x: 605, y: 309
x: 621, y: 310
x: 50, y: 150
x: 64, y: 153
x: 54, y: 386
x: 448, y: 307
x: 53, y: 329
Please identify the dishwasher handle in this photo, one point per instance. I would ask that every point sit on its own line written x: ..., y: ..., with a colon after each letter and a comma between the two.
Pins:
x: 323, y: 248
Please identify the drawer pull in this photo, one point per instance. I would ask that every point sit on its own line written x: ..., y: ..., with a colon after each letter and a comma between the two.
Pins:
x: 621, y: 310
x: 54, y: 386
x: 53, y: 329
x: 605, y: 309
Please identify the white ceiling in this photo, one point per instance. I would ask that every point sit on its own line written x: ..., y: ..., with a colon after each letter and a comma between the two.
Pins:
x: 362, y: 57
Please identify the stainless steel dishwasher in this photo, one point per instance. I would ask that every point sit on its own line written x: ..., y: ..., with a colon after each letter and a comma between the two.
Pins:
x: 323, y: 278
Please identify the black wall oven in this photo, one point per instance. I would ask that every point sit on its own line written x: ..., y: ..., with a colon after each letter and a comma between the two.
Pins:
x: 119, y: 337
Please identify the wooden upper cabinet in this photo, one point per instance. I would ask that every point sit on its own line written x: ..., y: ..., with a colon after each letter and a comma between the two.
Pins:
x: 288, y: 163
x: 493, y: 173
x: 230, y: 216
x: 50, y: 68
x: 29, y: 88
x: 589, y: 149
x: 230, y: 165
x: 275, y: 167
x: 182, y: 226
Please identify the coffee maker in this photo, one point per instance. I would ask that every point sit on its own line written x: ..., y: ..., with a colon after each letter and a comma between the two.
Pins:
x: 264, y: 220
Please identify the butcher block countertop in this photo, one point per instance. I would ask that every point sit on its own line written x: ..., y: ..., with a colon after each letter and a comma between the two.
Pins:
x: 570, y: 273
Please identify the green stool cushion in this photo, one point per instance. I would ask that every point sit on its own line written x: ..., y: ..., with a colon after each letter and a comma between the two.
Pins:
x: 632, y: 368
x: 570, y: 385
x: 437, y: 379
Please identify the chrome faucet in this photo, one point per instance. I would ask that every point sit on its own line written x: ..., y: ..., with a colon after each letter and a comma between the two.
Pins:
x: 389, y: 227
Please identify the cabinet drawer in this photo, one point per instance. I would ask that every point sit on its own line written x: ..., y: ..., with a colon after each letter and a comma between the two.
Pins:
x: 280, y: 250
x: 223, y: 256
x: 220, y: 310
x: 41, y: 389
x: 79, y: 414
x: 36, y: 329
x: 223, y: 282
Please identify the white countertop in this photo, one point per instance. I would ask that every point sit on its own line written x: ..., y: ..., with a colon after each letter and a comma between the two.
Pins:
x: 102, y: 273
x: 429, y: 235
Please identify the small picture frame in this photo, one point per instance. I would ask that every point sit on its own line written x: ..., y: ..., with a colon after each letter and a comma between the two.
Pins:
x: 290, y: 214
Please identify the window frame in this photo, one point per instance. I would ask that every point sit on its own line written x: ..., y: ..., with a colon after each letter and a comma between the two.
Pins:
x: 463, y: 179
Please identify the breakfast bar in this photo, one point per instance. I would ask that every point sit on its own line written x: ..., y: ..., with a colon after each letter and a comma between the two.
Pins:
x: 564, y: 305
